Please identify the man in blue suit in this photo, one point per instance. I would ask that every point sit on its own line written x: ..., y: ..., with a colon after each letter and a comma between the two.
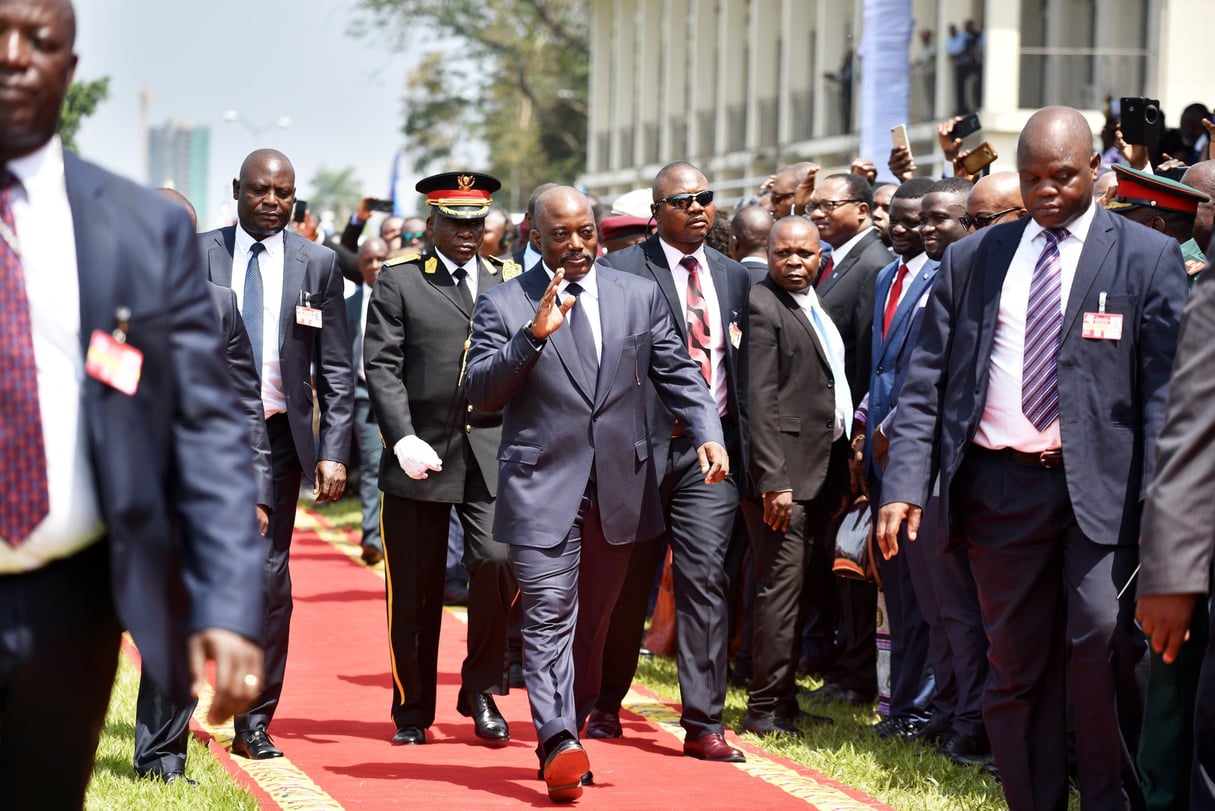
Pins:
x: 1036, y: 393
x: 290, y: 293
x: 564, y: 351
x: 132, y: 471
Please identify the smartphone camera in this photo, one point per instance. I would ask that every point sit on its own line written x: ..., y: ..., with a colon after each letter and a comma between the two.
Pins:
x: 1142, y: 121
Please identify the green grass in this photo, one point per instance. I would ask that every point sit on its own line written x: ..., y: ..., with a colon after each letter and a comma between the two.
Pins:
x: 115, y: 785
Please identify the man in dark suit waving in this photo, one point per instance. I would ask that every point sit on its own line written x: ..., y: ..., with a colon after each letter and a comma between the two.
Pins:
x: 564, y: 352
x: 439, y: 452
x: 707, y: 294
x: 290, y: 293
x: 1036, y: 392
x: 127, y: 482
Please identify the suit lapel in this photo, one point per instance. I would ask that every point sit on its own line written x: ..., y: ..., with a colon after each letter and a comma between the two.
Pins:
x: 95, y: 250
x: 902, y: 314
x: 294, y: 267
x: 1097, y: 246
x: 612, y: 311
x: 799, y: 315
x: 441, y: 280
x: 656, y: 264
x: 219, y: 256
x: 535, y: 282
x: 842, y: 267
x: 991, y: 265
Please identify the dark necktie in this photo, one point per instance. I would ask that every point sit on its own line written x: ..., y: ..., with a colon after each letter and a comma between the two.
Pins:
x: 892, y: 303
x: 24, y: 495
x: 698, y: 320
x: 583, y: 338
x: 1043, y: 328
x: 461, y: 277
x: 825, y: 273
x: 251, y: 309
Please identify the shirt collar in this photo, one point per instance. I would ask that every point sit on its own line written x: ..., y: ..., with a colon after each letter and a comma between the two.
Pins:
x: 915, y: 264
x: 41, y: 171
x: 273, y: 243
x: 451, y: 265
x: 842, y: 251
x: 674, y: 255
x: 1078, y: 227
x: 589, y: 282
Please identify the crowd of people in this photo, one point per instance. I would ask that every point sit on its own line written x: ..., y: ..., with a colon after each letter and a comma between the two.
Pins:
x: 997, y: 365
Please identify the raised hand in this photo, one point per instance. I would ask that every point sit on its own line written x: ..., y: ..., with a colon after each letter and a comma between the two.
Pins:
x: 550, y: 315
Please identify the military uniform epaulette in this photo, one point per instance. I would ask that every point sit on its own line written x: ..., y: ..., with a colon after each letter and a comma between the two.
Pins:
x: 402, y: 259
x: 509, y: 267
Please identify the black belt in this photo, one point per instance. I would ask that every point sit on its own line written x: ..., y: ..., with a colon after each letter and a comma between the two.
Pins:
x: 1049, y: 459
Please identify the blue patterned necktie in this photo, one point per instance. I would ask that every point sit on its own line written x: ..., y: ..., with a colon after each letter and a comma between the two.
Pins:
x: 1043, y: 329
x: 584, y: 339
x: 251, y: 310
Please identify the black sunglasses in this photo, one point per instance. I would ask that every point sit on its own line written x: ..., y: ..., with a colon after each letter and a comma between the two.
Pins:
x: 684, y: 201
x: 982, y: 222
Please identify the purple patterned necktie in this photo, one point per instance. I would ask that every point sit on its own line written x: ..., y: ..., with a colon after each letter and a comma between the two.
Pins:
x: 24, y: 496
x: 1043, y: 329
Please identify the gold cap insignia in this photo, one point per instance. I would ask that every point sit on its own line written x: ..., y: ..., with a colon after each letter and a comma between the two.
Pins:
x: 465, y: 182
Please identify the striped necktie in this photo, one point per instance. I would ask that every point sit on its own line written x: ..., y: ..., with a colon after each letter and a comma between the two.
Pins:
x: 1043, y: 329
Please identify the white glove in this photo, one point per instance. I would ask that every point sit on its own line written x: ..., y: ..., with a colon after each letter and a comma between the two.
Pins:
x: 416, y: 457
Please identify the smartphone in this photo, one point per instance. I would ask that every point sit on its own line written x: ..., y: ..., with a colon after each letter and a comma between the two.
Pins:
x: 301, y: 208
x: 898, y: 136
x: 979, y: 158
x: 968, y: 125
x: 377, y: 204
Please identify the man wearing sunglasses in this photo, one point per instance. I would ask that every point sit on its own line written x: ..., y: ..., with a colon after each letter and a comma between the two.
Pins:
x: 994, y: 199
x: 708, y: 294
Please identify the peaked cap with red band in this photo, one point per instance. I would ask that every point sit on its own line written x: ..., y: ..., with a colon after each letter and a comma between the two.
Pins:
x: 460, y: 195
x: 1137, y: 189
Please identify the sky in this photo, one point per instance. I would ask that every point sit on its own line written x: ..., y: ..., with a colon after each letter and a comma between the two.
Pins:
x: 263, y: 58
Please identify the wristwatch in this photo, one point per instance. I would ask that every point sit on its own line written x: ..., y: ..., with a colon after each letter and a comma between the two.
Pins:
x: 531, y: 336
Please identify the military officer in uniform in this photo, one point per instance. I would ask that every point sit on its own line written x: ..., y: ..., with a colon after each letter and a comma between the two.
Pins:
x: 438, y: 452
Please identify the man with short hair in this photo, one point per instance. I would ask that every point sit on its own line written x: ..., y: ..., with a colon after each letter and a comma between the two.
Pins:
x: 749, y: 240
x: 561, y: 351
x: 790, y: 183
x: 128, y: 492
x: 493, y: 242
x: 994, y: 199
x: 1036, y: 392
x: 1201, y: 176
x: 290, y: 293
x: 707, y: 294
x: 439, y: 452
x: 881, y: 210
x: 526, y: 255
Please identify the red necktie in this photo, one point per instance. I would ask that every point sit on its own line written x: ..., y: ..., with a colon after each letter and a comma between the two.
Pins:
x: 825, y: 273
x: 24, y: 497
x: 698, y: 320
x: 892, y: 303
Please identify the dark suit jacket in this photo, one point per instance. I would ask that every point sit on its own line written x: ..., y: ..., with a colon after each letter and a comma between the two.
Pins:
x: 555, y: 426
x: 884, y: 382
x: 413, y: 350
x: 792, y: 399
x: 312, y: 269
x: 1111, y: 393
x: 1178, y: 536
x: 246, y: 381
x: 758, y: 268
x: 171, y: 463
x: 733, y: 285
x: 848, y: 295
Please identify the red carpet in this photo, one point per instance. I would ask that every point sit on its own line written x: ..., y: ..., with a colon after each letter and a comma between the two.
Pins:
x: 334, y: 726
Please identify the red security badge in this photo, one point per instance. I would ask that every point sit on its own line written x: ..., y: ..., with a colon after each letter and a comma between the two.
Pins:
x: 113, y: 362
x: 1102, y: 326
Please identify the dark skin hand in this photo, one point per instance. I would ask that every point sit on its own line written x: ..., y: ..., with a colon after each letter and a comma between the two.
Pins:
x: 901, y: 164
x: 714, y: 461
x: 238, y: 670
x: 805, y: 189
x: 330, y: 481
x: 890, y: 518
x: 778, y: 508
x: 263, y: 520
x: 1165, y: 620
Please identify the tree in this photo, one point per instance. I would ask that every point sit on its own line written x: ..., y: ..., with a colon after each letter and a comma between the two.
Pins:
x: 514, y: 76
x: 337, y: 190
x: 80, y: 102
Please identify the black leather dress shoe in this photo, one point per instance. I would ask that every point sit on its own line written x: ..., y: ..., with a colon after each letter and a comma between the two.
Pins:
x: 256, y: 745
x: 932, y: 735
x: 409, y: 736
x: 564, y: 770
x: 600, y: 724
x: 168, y: 778
x: 903, y: 727
x: 489, y: 723
x: 966, y: 750
x: 769, y: 724
x: 843, y: 695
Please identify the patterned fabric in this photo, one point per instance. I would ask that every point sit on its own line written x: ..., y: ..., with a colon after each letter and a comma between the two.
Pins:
x: 24, y: 496
x: 1043, y: 330
x: 892, y: 303
x: 252, y: 311
x: 698, y: 320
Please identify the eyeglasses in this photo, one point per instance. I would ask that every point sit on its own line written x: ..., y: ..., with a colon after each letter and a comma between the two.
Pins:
x: 684, y: 201
x: 827, y: 206
x: 982, y: 222
x: 410, y: 236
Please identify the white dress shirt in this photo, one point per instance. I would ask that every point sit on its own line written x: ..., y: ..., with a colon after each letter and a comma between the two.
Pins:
x: 471, y: 266
x: 839, y: 254
x: 829, y: 338
x: 47, y: 243
x: 588, y: 303
x: 914, y: 266
x: 363, y: 328
x: 1003, y: 424
x: 718, y: 383
x: 274, y: 399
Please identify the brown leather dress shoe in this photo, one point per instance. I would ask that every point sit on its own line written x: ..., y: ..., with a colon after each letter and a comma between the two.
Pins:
x: 563, y: 771
x: 371, y: 556
x: 603, y: 725
x: 713, y: 747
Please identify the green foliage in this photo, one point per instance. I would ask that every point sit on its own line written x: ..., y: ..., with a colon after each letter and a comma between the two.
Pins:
x: 337, y: 190
x: 512, y: 74
x: 80, y: 102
